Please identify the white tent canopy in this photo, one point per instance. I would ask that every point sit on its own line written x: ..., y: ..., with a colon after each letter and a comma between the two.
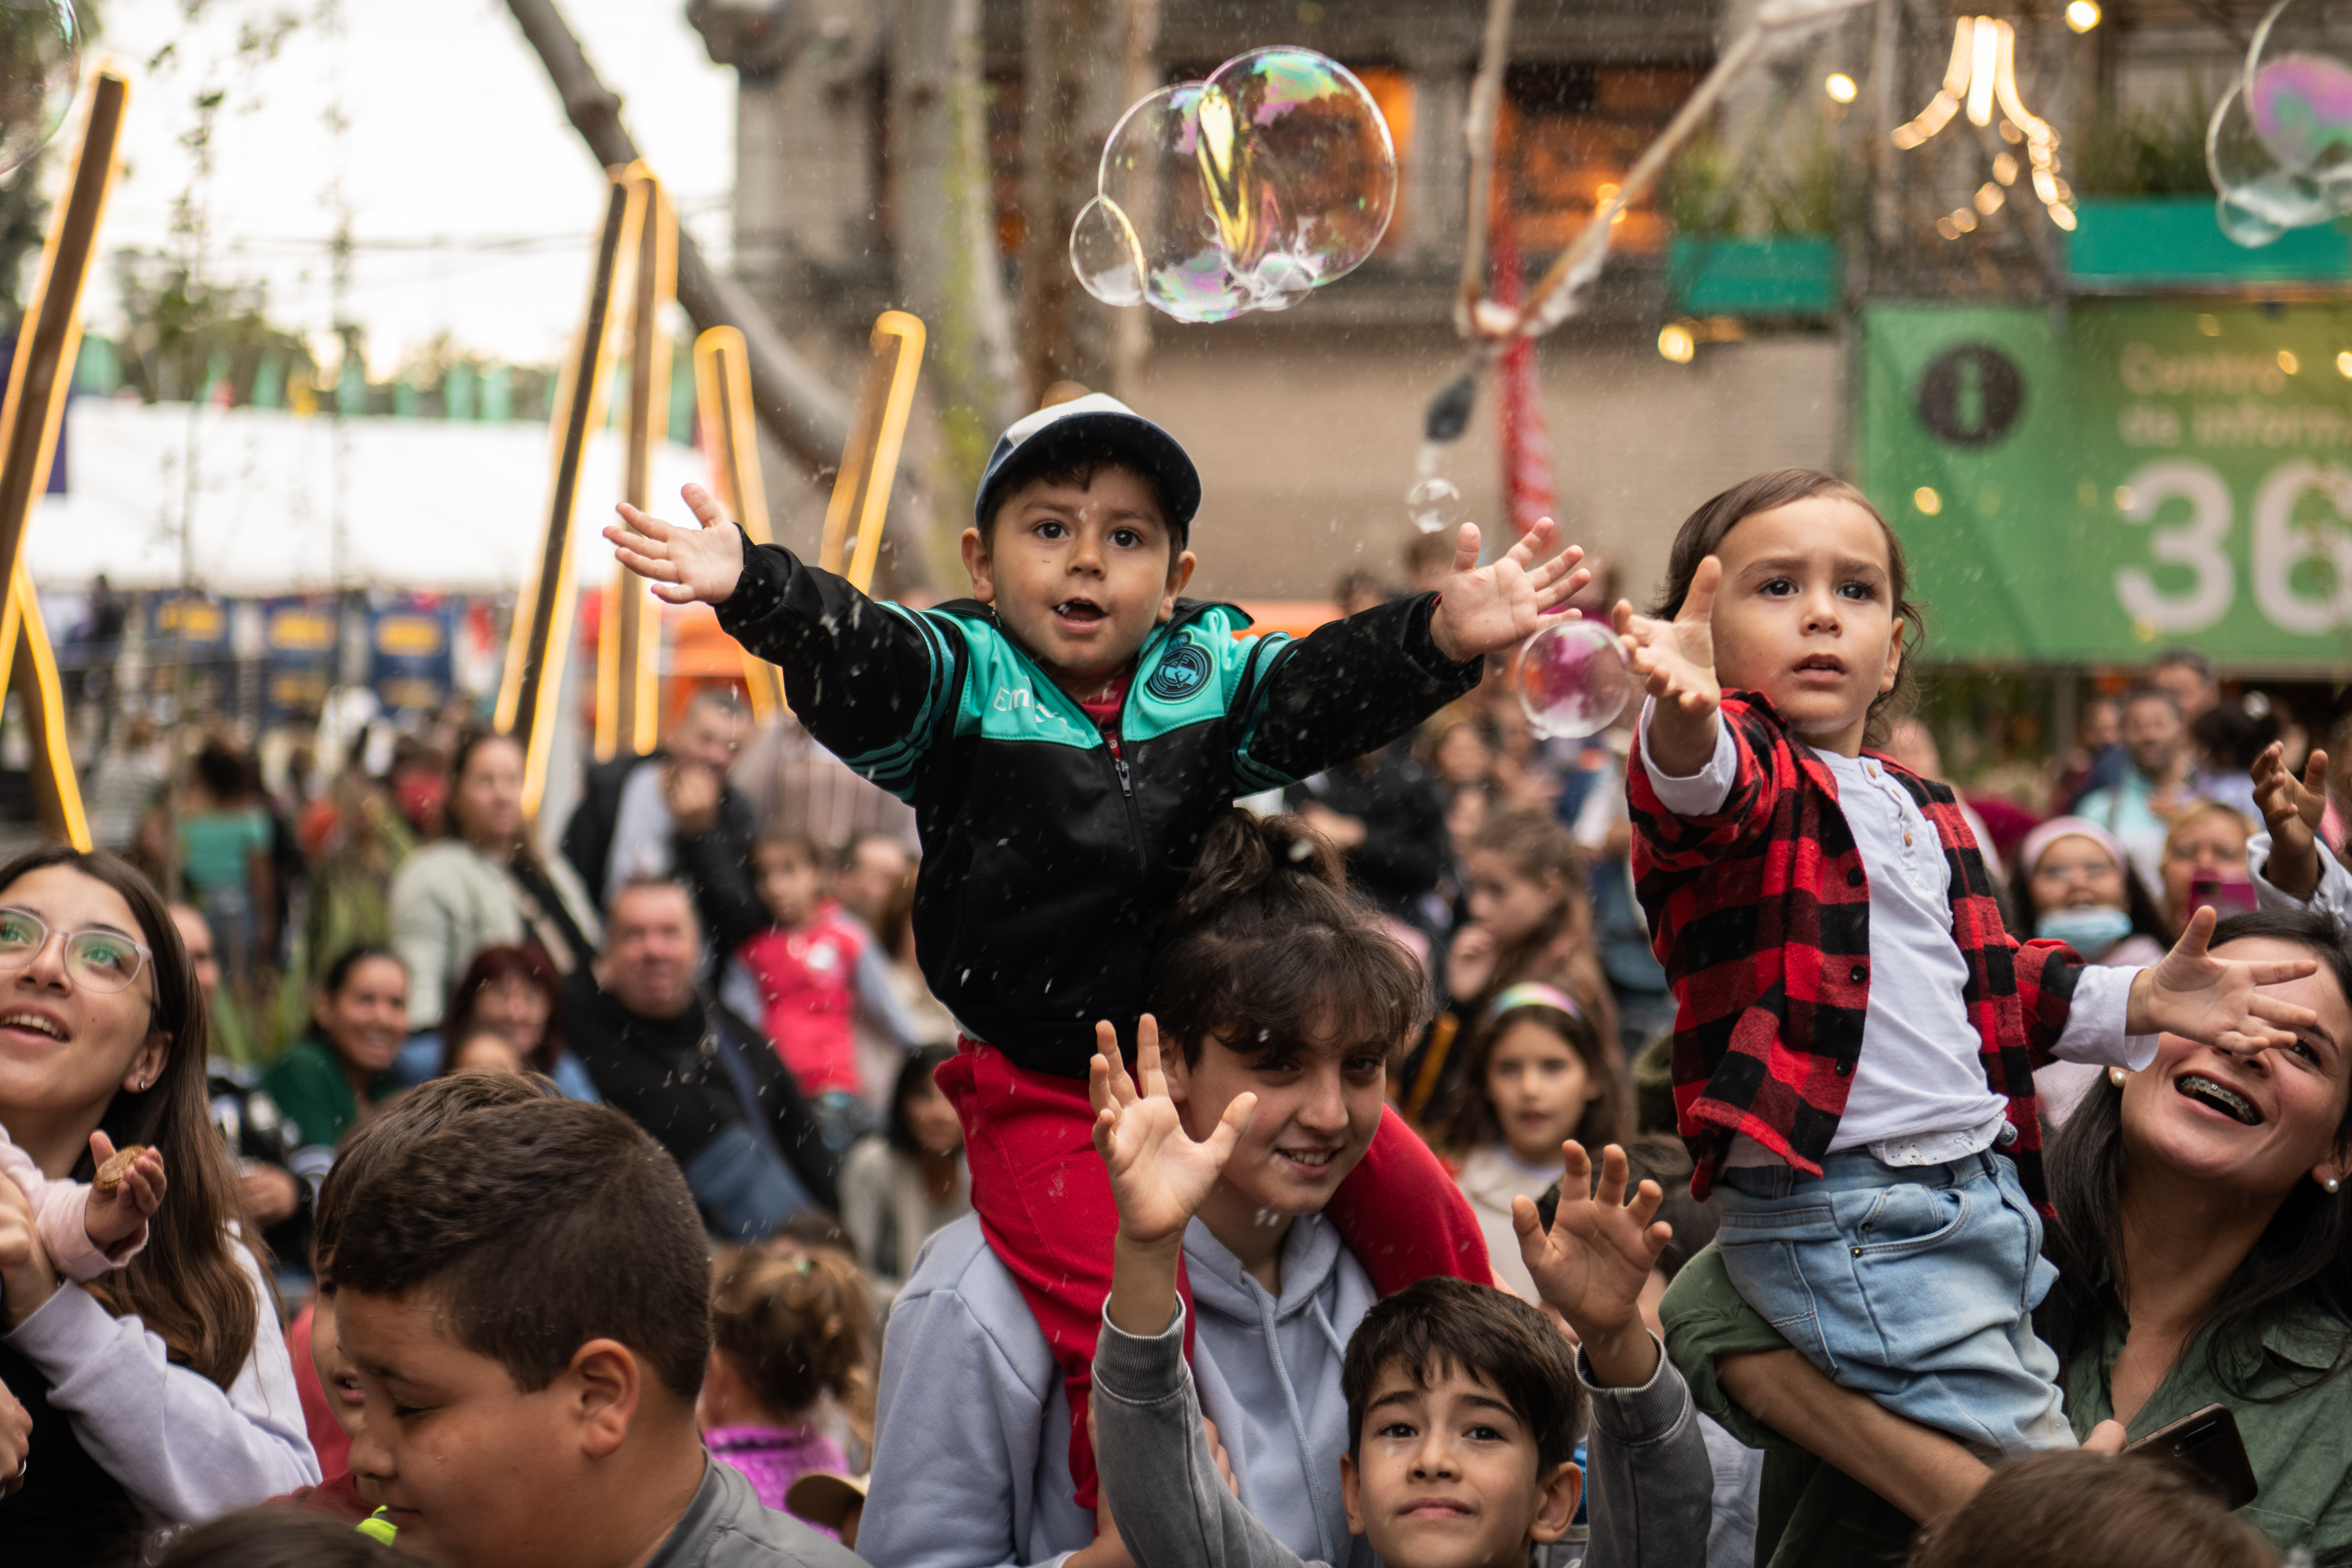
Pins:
x: 429, y: 503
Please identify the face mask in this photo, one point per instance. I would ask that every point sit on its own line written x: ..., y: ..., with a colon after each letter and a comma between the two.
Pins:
x: 2089, y: 932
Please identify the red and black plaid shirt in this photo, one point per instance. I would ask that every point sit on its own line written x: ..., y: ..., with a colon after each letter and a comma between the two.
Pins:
x: 1761, y: 914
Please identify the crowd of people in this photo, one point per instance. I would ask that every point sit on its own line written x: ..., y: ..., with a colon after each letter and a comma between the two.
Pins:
x: 940, y: 1125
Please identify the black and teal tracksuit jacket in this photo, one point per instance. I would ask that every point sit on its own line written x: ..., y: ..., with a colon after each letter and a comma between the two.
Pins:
x: 1048, y: 862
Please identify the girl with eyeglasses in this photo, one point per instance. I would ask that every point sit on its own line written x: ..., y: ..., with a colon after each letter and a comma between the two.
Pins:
x: 151, y: 1393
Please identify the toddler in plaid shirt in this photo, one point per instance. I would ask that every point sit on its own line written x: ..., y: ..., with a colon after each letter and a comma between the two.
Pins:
x: 1856, y: 1030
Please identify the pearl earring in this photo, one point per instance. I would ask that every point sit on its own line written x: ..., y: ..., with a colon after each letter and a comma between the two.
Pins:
x: 2117, y: 1076
x: 2331, y: 1184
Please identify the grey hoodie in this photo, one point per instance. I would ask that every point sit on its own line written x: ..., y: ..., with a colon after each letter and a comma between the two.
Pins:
x: 971, y: 1454
x: 1649, y: 1477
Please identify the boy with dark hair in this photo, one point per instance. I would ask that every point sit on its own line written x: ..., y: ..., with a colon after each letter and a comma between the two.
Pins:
x: 1066, y: 736
x: 1463, y: 1400
x: 525, y: 1297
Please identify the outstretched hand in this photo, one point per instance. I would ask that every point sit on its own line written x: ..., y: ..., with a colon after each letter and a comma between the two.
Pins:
x: 2291, y: 809
x: 1675, y: 662
x: 1158, y: 1175
x: 1593, y: 1262
x: 2217, y: 1002
x: 685, y: 565
x: 1486, y: 609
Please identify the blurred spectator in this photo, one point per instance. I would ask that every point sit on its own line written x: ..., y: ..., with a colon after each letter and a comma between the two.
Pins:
x: 1464, y: 757
x: 1910, y: 742
x: 2074, y: 885
x: 130, y: 776
x: 225, y: 859
x: 2156, y: 785
x: 511, y: 990
x: 251, y: 1126
x: 1526, y: 770
x: 2227, y: 738
x: 921, y: 1017
x: 1385, y: 813
x: 2204, y: 862
x: 2189, y: 676
x: 1361, y: 591
x: 791, y: 1335
x: 481, y: 1050
x: 1621, y: 933
x: 335, y: 1076
x: 419, y: 786
x: 673, y: 814
x: 701, y: 1081
x: 794, y: 785
x: 2098, y: 738
x: 899, y: 1186
x: 355, y: 841
x: 873, y: 867
x: 484, y: 884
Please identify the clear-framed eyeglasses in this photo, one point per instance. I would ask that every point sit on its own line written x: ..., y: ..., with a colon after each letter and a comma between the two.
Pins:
x: 95, y: 960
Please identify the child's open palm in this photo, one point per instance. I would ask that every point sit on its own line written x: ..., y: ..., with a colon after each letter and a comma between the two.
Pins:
x: 1598, y: 1255
x: 686, y: 565
x: 1158, y: 1175
x: 1484, y: 609
x: 2291, y: 809
x: 1676, y: 659
x: 2216, y: 1000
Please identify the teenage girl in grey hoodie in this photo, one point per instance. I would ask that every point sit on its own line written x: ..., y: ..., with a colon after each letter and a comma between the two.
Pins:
x: 1274, y: 983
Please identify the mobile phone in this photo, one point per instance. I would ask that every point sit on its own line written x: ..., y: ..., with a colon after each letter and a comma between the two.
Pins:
x: 2227, y: 896
x: 2207, y: 1441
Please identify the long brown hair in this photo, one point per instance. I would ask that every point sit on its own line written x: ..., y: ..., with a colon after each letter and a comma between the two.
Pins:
x: 1701, y: 535
x: 186, y: 1285
x: 1472, y: 1121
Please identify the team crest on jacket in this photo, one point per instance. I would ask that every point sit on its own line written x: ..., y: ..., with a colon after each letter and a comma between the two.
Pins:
x: 1183, y: 670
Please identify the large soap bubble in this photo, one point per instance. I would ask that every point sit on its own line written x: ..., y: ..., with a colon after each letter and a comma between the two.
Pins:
x: 40, y: 68
x: 1572, y: 679
x: 2279, y: 144
x: 1274, y: 176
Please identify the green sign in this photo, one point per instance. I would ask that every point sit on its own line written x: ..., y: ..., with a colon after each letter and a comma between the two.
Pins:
x: 2135, y: 476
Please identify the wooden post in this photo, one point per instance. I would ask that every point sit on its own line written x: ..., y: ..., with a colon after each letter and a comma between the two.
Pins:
x: 722, y: 394
x: 47, y: 344
x: 541, y: 637
x: 861, y: 492
x: 628, y: 640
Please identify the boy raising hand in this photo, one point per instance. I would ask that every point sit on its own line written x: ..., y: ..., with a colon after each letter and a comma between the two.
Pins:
x: 1464, y: 1402
x: 1066, y: 735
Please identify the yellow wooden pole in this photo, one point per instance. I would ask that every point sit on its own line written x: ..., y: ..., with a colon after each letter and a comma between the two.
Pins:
x: 46, y: 345
x: 722, y: 395
x: 536, y: 650
x: 629, y: 641
x: 869, y: 463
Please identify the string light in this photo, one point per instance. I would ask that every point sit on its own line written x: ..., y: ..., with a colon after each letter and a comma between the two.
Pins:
x: 1841, y: 88
x: 2083, y: 15
x: 1981, y: 77
x: 1676, y: 343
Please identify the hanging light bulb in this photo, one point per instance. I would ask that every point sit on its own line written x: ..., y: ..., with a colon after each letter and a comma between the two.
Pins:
x: 1982, y: 76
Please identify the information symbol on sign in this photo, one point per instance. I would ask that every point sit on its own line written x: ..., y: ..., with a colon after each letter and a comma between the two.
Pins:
x: 1971, y: 396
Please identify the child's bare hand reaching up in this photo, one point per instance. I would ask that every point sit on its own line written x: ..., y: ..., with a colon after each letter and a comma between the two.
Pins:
x: 126, y: 1194
x: 2291, y: 809
x: 1486, y: 609
x: 686, y: 565
x: 1675, y: 661
x: 1159, y: 1173
x: 1593, y: 1262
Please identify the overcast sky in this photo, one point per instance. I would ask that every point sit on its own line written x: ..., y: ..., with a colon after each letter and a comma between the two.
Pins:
x: 473, y: 200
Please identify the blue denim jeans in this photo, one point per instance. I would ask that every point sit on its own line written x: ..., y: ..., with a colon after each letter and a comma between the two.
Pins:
x: 1915, y: 1285
x: 746, y: 1190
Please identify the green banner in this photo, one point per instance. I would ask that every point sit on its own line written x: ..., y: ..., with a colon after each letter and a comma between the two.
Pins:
x: 2135, y: 475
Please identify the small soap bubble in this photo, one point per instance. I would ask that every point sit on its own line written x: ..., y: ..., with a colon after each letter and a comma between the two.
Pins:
x: 1436, y: 505
x: 1243, y: 192
x: 40, y: 69
x: 1572, y: 679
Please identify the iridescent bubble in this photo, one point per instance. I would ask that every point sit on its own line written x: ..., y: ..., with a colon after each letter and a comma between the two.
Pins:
x: 2259, y: 200
x: 1273, y: 177
x: 41, y: 70
x: 1436, y: 505
x: 1571, y: 679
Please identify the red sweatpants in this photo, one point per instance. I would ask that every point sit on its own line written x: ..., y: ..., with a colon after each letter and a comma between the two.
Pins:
x: 1045, y: 1205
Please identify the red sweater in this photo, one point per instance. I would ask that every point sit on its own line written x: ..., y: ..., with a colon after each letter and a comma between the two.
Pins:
x: 807, y: 980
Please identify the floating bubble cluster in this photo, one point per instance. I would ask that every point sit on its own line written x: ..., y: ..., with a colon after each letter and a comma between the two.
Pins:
x: 1572, y: 679
x: 1241, y: 193
x: 2279, y: 144
x: 40, y: 68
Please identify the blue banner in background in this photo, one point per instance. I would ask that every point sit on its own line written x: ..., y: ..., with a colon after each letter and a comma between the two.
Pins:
x: 302, y: 637
x: 409, y: 641
x: 188, y: 628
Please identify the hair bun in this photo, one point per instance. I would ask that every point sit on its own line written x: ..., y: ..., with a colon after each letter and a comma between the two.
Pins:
x: 1250, y: 860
